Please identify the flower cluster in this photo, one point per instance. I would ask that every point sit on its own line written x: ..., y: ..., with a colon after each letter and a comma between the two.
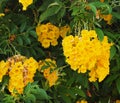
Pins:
x: 81, y: 101
x: 26, y: 3
x: 48, y: 34
x: 105, y: 17
x: 21, y: 71
x: 64, y: 30
x: 87, y: 53
x: 50, y: 73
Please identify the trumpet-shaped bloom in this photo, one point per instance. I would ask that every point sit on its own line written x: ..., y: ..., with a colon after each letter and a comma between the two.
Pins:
x: 25, y: 3
x: 87, y: 53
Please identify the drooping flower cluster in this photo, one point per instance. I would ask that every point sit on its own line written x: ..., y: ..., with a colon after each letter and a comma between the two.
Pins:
x: 21, y: 71
x: 87, y: 53
x: 26, y: 3
x: 50, y: 73
x: 48, y: 34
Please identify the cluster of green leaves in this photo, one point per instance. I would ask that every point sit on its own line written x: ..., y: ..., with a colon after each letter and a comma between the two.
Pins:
x: 18, y: 35
x: 32, y: 94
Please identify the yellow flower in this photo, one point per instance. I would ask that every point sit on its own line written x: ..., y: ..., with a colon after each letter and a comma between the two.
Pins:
x: 46, y: 72
x: 64, y: 30
x: 2, y: 14
x: 16, y: 78
x: 81, y: 101
x: 117, y: 101
x: 3, y: 69
x: 102, y: 0
x: 103, y: 74
x: 50, y: 74
x: 46, y: 43
x: 54, y: 42
x: 93, y: 76
x: 51, y: 35
x: 52, y: 78
x: 21, y: 72
x: 26, y: 3
x: 107, y: 18
x: 41, y: 29
x: 87, y: 53
x: 47, y: 34
x: 30, y: 67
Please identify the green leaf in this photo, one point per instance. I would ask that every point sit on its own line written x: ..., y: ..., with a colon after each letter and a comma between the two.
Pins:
x: 45, y: 67
x: 112, y: 52
x: 1, y: 5
x: 98, y: 4
x: 19, y: 40
x: 34, y: 89
x: 31, y: 98
x: 45, y: 5
x: 71, y: 93
x: 118, y: 84
x: 70, y: 81
x: 26, y: 39
x: 49, y: 12
x: 61, y: 13
x: 33, y: 52
x: 66, y: 98
x: 53, y: 4
x: 23, y: 27
x: 41, y: 94
x: 40, y: 51
x: 27, y: 100
x: 111, y: 78
x: 83, y: 80
x: 27, y: 88
x: 75, y: 10
x: 8, y: 99
x: 25, y: 51
x: 97, y: 24
x: 100, y: 34
x: 96, y: 85
x: 110, y: 35
x: 115, y: 14
x: 33, y: 34
x: 5, y: 82
x: 93, y: 8
x: 80, y: 92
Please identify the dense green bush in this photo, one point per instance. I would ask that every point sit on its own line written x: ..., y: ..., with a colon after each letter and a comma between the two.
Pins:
x: 59, y: 51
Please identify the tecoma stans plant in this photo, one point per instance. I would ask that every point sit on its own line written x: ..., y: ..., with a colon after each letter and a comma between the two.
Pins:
x: 59, y: 51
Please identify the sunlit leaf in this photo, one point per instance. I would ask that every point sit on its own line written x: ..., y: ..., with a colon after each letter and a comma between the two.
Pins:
x: 100, y: 34
x: 112, y: 52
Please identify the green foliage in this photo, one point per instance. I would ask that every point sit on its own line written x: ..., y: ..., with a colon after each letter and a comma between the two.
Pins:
x: 52, y: 11
x: 8, y: 99
x: 100, y: 34
x: 33, y: 93
x: 18, y: 36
